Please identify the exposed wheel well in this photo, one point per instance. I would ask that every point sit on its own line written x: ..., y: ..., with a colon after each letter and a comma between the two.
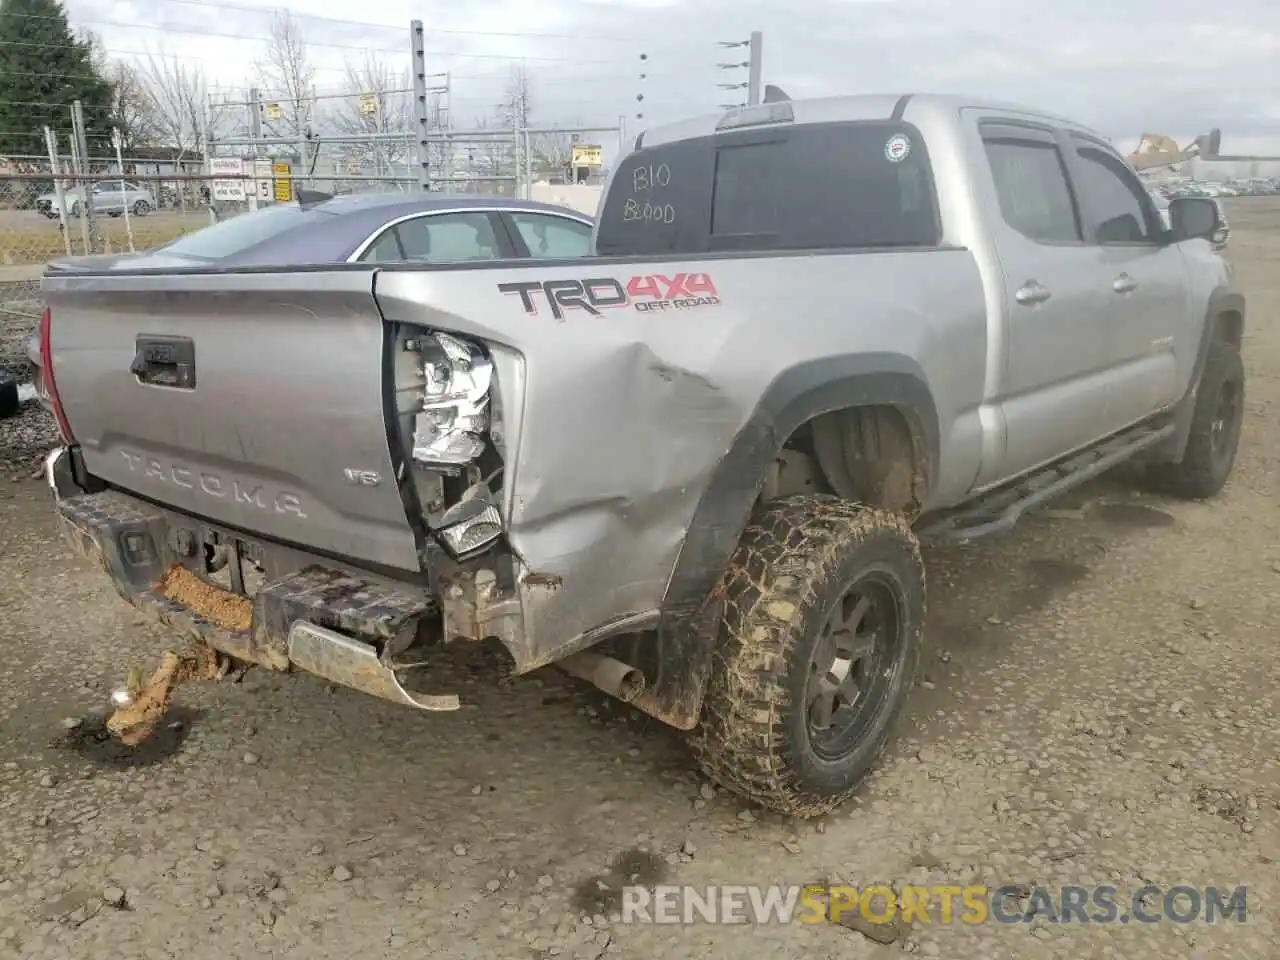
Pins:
x: 1229, y: 328
x: 869, y: 454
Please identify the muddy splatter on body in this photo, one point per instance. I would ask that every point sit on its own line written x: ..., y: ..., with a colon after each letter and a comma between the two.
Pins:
x: 220, y: 607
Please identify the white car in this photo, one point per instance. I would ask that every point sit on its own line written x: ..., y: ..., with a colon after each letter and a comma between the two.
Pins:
x: 110, y: 197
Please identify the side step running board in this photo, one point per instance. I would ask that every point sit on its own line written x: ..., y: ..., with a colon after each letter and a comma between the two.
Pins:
x: 999, y: 510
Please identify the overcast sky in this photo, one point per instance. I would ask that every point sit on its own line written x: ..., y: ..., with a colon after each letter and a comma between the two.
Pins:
x: 1123, y: 66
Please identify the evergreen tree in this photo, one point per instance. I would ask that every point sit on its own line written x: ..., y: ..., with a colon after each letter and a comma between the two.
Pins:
x: 44, y: 67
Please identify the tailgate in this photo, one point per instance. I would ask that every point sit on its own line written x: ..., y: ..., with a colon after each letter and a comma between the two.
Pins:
x: 284, y: 402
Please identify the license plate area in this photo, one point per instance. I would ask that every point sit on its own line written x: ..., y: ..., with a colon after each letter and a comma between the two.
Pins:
x: 235, y: 565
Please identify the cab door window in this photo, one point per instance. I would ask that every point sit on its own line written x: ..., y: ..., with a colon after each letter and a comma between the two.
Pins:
x: 1117, y: 206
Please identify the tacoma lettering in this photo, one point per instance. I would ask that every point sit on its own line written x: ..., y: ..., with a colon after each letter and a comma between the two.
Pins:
x: 212, y: 485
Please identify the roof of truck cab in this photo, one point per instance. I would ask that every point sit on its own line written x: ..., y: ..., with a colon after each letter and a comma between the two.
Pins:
x: 865, y: 106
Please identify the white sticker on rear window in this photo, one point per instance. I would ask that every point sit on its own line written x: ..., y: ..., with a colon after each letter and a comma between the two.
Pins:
x: 898, y: 148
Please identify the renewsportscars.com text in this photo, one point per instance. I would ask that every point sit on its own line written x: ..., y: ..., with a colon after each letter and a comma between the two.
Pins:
x: 1010, y: 903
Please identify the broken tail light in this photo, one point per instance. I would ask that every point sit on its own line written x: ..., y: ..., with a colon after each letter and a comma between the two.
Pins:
x: 469, y: 527
x: 450, y: 428
x: 453, y: 433
x: 47, y: 386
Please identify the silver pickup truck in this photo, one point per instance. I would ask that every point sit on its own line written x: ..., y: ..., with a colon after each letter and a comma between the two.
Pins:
x: 692, y: 468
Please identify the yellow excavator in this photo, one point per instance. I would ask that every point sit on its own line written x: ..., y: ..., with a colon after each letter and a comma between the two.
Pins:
x: 1157, y: 150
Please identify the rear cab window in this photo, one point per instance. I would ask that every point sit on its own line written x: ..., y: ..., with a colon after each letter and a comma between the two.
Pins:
x: 1032, y: 184
x: 859, y: 184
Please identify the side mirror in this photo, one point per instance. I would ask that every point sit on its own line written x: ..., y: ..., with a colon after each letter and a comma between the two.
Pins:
x: 1192, y: 218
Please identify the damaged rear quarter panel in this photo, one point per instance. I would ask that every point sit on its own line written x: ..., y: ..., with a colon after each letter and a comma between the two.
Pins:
x: 624, y: 415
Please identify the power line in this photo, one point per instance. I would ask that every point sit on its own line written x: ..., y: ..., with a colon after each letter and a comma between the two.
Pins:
x: 43, y: 103
x: 364, y: 48
x: 250, y: 8
x: 198, y: 33
x: 117, y: 52
x: 161, y: 55
x: 56, y: 76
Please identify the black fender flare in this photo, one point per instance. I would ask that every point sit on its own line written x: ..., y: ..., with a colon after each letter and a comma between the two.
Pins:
x: 796, y: 396
x: 691, y: 608
x: 1225, y: 300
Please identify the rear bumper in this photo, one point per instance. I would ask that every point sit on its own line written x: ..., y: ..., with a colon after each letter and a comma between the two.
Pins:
x: 120, y: 535
x: 352, y: 630
x: 137, y: 543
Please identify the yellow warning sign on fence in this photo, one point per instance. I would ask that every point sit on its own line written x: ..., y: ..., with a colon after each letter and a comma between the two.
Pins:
x: 282, y: 184
x: 587, y: 155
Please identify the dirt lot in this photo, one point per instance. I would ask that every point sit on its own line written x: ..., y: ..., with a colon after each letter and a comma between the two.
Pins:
x: 1098, y: 706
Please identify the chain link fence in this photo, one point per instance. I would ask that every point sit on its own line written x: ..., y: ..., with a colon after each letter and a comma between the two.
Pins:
x: 52, y: 208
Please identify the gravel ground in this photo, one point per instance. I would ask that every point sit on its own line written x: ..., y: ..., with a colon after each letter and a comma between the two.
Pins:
x: 25, y: 439
x: 19, y: 311
x: 1098, y: 706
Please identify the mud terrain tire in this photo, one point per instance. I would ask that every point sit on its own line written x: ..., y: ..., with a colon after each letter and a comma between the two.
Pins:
x: 802, y: 565
x: 1215, y: 431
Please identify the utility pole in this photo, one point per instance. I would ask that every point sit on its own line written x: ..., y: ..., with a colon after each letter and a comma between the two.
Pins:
x: 255, y: 133
x: 754, y: 70
x: 420, y: 119
x: 255, y: 116
x: 443, y: 122
x: 86, y: 195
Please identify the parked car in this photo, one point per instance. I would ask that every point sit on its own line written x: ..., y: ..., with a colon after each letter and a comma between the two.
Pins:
x: 694, y: 468
x: 369, y: 228
x: 110, y: 198
x: 113, y: 197
x: 47, y: 203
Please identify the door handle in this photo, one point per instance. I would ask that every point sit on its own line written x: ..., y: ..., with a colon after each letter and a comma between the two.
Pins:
x: 1124, y: 284
x: 1031, y: 293
x: 165, y: 362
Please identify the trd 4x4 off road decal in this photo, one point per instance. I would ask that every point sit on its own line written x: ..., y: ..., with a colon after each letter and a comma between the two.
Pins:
x: 645, y: 294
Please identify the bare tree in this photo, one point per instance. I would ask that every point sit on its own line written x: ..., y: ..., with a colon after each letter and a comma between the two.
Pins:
x: 130, y: 109
x: 377, y: 102
x: 516, y: 107
x: 287, y: 77
x: 174, y: 94
x: 482, y: 159
x: 553, y: 152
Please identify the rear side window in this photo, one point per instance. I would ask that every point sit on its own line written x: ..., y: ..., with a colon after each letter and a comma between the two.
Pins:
x: 1031, y: 183
x: 386, y: 249
x: 449, y: 237
x: 234, y: 236
x: 809, y: 187
x: 553, y: 237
